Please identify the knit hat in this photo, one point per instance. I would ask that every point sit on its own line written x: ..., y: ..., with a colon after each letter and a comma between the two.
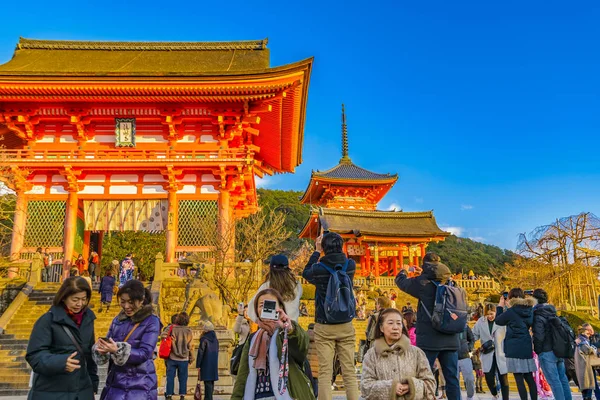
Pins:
x: 208, y: 326
x: 279, y: 261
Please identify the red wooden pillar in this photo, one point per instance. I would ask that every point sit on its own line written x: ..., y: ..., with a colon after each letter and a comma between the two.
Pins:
x: 70, y: 230
x: 376, y: 263
x: 422, y: 247
x: 395, y: 265
x: 363, y: 267
x: 401, y: 258
x: 368, y: 260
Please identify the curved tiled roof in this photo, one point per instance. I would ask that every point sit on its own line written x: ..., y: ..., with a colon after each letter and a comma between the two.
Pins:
x: 348, y: 170
x: 136, y: 46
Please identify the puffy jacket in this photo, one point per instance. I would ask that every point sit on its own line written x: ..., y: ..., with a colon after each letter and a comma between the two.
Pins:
x: 467, y: 342
x: 47, y: 352
x: 517, y: 319
x: 424, y: 289
x: 136, y: 378
x: 319, y: 276
x: 542, y: 340
x: 208, y: 357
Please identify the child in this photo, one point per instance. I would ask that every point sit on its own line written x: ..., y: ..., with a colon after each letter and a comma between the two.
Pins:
x: 478, y: 371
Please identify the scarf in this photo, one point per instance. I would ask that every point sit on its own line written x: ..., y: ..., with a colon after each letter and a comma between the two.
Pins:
x: 261, y: 345
x: 76, y: 317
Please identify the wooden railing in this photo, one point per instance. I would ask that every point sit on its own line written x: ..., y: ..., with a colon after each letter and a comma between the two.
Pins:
x: 29, y: 155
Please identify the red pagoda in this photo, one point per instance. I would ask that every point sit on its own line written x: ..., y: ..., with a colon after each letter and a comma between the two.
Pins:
x: 345, y: 199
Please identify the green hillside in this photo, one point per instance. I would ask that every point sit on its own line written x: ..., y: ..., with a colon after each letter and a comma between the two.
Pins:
x: 462, y: 255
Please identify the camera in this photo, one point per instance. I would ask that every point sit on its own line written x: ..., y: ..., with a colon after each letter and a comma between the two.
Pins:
x: 268, y: 311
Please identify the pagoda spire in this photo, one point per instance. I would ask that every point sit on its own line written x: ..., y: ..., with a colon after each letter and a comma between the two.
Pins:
x: 345, y: 158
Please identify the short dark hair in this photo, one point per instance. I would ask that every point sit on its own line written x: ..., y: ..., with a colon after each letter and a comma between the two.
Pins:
x: 382, y: 315
x: 540, y: 295
x: 69, y: 287
x: 516, y: 293
x: 431, y: 257
x: 383, y: 302
x: 183, y: 319
x: 272, y: 292
x: 174, y: 318
x: 332, y: 243
x: 136, y: 291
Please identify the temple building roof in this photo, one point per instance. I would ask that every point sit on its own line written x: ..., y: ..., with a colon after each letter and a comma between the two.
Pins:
x: 374, y: 224
x: 347, y: 170
x: 82, y: 58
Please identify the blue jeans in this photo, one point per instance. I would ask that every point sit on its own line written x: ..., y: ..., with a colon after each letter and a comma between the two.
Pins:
x: 449, y: 364
x: 556, y: 375
x: 181, y: 368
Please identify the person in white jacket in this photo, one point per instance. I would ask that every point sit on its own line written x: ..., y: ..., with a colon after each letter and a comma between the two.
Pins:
x: 494, y: 361
x: 281, y: 278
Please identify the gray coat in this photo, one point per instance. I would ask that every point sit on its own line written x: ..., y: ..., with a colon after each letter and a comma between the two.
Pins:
x: 481, y: 331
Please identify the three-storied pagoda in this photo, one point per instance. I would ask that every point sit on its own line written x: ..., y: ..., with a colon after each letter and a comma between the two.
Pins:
x: 112, y: 136
x: 344, y: 200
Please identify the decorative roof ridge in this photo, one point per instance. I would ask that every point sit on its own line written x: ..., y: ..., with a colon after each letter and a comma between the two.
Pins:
x: 36, y: 44
x: 379, y: 213
x: 349, y: 162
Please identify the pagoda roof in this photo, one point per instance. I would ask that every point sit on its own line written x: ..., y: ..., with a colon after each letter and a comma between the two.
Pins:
x: 347, y: 170
x: 90, y: 58
x: 369, y: 224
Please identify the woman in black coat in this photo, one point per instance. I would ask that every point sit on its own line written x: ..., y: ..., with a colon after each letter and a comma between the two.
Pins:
x: 518, y: 347
x: 60, y: 347
x: 208, y: 359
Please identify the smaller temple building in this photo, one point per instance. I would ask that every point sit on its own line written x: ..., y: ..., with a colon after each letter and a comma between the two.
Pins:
x: 344, y: 200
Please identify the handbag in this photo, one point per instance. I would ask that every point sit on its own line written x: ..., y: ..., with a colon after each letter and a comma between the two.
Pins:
x: 198, y: 392
x: 488, y: 347
x: 236, y: 355
x: 164, y: 351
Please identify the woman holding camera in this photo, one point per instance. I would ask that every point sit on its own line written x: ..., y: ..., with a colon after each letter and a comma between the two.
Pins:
x: 129, y: 347
x: 281, y: 278
x: 492, y: 355
x: 60, y: 346
x: 518, y: 319
x: 272, y: 359
x: 393, y: 367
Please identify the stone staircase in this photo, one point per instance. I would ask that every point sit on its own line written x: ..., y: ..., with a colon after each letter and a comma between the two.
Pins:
x: 14, y: 370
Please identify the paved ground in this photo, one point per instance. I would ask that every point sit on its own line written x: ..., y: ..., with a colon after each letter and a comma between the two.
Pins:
x: 340, y: 396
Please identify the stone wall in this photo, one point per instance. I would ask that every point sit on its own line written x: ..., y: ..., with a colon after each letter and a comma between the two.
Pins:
x: 9, y: 289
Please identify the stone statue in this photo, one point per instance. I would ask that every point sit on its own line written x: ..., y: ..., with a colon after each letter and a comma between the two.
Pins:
x: 201, y: 295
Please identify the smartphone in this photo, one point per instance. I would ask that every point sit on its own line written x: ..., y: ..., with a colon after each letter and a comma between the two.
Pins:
x: 505, y: 295
x: 268, y: 311
x: 105, y: 338
x: 529, y: 292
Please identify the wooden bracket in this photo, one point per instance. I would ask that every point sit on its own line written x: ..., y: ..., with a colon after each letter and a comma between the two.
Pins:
x: 171, y: 174
x: 72, y: 176
x: 80, y: 123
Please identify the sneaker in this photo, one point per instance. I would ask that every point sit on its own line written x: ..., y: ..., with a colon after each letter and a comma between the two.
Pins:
x: 100, y: 309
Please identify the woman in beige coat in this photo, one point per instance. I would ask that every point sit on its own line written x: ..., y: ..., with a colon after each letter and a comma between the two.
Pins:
x: 393, y: 368
x: 583, y: 367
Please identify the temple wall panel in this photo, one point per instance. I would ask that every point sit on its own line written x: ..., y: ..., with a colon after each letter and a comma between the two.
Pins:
x: 93, y: 178
x: 208, y: 189
x: 123, y: 178
x: 46, y: 139
x: 153, y: 178
x: 67, y: 139
x: 58, y: 190
x: 153, y: 189
x: 37, y: 189
x: 58, y: 178
x: 125, y: 189
x: 209, y: 178
x: 189, y: 178
x: 39, y: 178
x: 92, y: 189
x: 187, y: 189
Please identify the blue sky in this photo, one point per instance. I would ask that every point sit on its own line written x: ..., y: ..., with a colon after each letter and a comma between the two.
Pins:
x: 488, y: 111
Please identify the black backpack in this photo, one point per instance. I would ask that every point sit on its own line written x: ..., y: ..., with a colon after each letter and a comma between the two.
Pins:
x: 340, y: 304
x: 449, y: 310
x: 563, y: 337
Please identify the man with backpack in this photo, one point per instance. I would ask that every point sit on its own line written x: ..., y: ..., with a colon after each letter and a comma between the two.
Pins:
x: 437, y: 333
x: 335, y: 308
x: 553, y: 340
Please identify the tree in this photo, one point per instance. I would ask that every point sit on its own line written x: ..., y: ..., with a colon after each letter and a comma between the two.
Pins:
x: 144, y: 246
x: 257, y: 237
x: 462, y: 255
x: 569, y: 251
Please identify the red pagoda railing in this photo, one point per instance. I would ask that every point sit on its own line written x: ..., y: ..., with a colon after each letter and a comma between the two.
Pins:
x: 124, y: 154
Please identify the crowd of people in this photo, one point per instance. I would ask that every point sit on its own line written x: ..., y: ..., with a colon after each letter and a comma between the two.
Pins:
x: 408, y: 352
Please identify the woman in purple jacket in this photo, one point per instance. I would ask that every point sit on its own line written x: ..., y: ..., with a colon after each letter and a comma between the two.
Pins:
x: 129, y: 347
